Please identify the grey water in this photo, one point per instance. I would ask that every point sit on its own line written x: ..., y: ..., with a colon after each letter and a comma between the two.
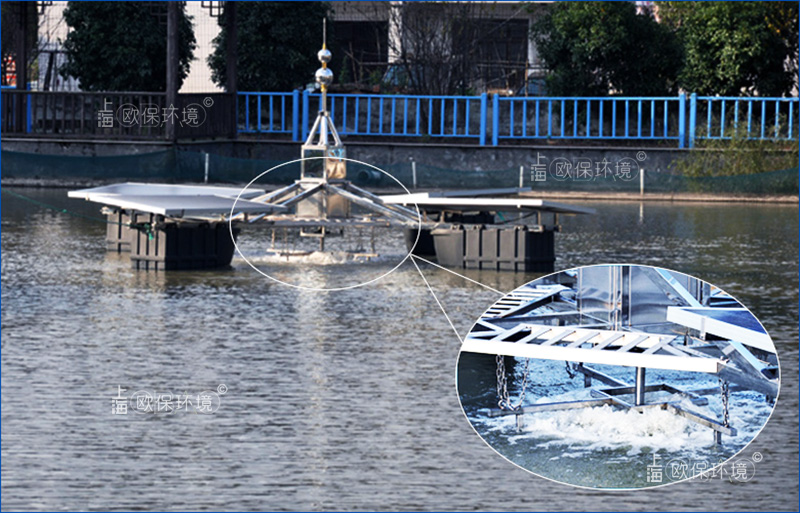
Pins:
x: 333, y: 400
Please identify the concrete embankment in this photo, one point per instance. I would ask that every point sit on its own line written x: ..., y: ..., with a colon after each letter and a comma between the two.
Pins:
x: 424, y: 166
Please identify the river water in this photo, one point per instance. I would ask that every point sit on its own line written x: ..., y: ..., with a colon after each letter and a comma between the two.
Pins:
x: 332, y: 400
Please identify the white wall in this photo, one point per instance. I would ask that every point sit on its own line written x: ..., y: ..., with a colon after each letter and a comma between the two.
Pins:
x: 206, y: 29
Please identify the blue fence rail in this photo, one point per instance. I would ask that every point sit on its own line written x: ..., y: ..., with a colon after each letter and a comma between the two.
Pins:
x: 268, y: 113
x: 682, y: 119
x: 718, y: 117
x: 588, y: 118
x: 365, y: 114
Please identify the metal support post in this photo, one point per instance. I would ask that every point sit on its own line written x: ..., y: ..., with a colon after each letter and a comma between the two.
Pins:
x: 640, y: 386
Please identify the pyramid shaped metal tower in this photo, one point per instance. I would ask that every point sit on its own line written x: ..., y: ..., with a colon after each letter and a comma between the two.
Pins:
x: 322, y: 198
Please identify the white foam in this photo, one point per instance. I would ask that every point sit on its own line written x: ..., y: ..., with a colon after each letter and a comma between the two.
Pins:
x: 320, y: 258
x: 605, y: 427
x: 622, y: 436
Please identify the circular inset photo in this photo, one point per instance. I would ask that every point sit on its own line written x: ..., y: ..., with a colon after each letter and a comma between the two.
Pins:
x: 620, y: 377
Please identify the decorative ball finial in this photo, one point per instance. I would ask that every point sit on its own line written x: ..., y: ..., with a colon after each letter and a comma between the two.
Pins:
x: 324, y: 76
x: 324, y: 56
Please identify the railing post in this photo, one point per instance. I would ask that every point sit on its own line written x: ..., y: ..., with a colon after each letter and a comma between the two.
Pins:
x: 682, y: 121
x: 495, y: 119
x: 304, y: 122
x: 28, y: 114
x: 296, y: 115
x: 236, y: 129
x: 692, y: 118
x: 483, y: 119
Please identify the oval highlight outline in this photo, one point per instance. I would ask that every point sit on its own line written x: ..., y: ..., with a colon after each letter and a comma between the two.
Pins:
x: 323, y: 289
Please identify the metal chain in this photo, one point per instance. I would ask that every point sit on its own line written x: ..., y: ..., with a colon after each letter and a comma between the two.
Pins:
x: 725, y: 389
x: 570, y: 373
x: 504, y: 401
x: 502, y: 382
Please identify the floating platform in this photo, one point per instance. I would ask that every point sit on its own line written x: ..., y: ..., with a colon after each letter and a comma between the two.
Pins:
x: 183, y: 223
x: 466, y: 236
x: 510, y: 248
x: 181, y: 246
x: 172, y: 227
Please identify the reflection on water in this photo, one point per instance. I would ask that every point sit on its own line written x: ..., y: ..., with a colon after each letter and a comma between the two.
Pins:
x: 336, y: 400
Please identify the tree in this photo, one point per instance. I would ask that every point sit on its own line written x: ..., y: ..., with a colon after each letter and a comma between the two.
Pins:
x: 734, y: 48
x: 591, y: 48
x: 436, y: 47
x: 445, y: 48
x: 277, y: 45
x: 122, y: 46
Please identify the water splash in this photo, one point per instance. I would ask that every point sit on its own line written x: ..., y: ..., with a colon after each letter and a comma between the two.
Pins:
x: 320, y: 258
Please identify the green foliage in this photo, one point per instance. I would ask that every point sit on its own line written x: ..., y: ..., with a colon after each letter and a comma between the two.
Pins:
x: 592, y: 47
x: 344, y: 74
x: 122, y: 46
x: 735, y: 47
x: 738, y: 156
x: 277, y: 45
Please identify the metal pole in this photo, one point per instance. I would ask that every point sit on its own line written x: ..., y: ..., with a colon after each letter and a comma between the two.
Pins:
x: 21, y: 63
x: 231, y: 66
x: 587, y: 378
x: 414, y: 174
x: 324, y: 86
x: 693, y: 119
x: 21, y: 66
x: 483, y: 119
x: 231, y: 55
x: 521, y: 174
x: 304, y: 122
x: 495, y: 119
x: 172, y: 64
x: 639, y: 392
x: 205, y: 174
x: 641, y: 182
x: 682, y: 120
x: 296, y: 115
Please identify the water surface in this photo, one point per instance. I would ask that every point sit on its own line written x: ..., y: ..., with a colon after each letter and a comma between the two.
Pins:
x: 335, y: 400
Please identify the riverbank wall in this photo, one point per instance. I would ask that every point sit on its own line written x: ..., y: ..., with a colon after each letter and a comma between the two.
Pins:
x: 601, y: 172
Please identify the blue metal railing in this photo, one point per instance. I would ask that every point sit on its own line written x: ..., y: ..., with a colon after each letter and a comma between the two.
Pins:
x: 683, y: 118
x: 607, y: 118
x: 611, y: 118
x: 403, y: 115
x: 267, y: 113
x: 725, y: 117
x: 365, y: 114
